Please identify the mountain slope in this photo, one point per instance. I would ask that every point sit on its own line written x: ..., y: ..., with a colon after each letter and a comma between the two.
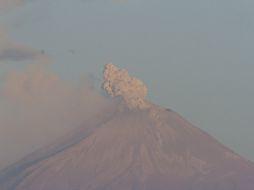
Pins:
x: 136, y: 150
x: 133, y: 145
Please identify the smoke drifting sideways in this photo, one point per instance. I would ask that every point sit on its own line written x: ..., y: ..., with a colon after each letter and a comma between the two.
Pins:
x: 37, y: 107
x: 11, y: 51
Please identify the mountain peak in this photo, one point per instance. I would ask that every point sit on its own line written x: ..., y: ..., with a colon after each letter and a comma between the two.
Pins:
x: 118, y: 83
x: 145, y: 147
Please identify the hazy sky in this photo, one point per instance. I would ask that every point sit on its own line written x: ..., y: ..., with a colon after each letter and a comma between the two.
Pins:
x: 196, y: 57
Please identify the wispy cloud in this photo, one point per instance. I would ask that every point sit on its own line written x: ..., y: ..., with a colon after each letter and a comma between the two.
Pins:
x: 14, y: 51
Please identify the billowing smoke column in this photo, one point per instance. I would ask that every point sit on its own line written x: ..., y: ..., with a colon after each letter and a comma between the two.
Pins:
x: 117, y: 82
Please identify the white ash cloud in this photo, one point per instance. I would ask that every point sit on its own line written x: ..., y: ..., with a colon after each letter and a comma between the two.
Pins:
x: 117, y: 82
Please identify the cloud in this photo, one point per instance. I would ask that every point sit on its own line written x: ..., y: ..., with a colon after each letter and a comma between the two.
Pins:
x: 17, y: 53
x: 37, y: 106
x: 13, y: 51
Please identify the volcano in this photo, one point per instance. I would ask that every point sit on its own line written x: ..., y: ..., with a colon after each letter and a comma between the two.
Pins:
x: 134, y: 145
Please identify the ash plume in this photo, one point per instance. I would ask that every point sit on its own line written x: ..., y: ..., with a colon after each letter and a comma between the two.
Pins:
x: 117, y: 82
